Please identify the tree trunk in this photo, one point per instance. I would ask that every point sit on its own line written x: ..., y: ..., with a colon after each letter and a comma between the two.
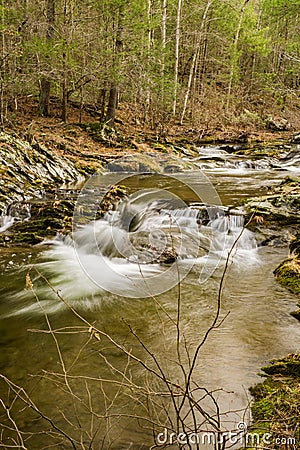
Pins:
x: 234, y: 54
x: 45, y: 84
x: 186, y: 97
x: 177, y: 38
x: 149, y: 45
x: 163, y: 44
x: 45, y: 96
x: 64, y: 103
x: 101, y: 103
x: 195, y: 56
x: 112, y: 105
x: 3, y: 70
x: 113, y: 93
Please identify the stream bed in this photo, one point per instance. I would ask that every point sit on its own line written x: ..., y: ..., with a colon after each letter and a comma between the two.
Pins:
x: 115, y: 279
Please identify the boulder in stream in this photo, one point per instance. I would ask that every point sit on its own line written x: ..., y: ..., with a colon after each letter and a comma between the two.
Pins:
x: 281, y: 206
x: 150, y: 163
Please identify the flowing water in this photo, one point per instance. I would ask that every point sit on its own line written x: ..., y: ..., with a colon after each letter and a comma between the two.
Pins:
x: 120, y: 273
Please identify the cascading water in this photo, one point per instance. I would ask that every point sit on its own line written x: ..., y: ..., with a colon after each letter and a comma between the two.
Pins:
x: 145, y: 247
x: 17, y: 212
x: 6, y: 222
x: 216, y: 159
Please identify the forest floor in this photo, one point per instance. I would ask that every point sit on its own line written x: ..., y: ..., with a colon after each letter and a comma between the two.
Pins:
x: 82, y: 135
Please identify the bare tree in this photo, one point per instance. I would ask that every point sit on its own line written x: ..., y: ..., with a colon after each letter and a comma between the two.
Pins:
x: 45, y: 83
x: 173, y: 402
x: 177, y: 46
x: 199, y: 39
x: 235, y: 53
x: 113, y: 93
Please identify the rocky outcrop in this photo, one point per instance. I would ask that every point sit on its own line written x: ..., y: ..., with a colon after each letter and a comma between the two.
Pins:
x: 296, y: 138
x: 34, y: 205
x: 282, y: 206
x: 288, y: 271
x: 26, y: 170
x: 277, y: 124
x: 53, y: 214
x: 276, y: 217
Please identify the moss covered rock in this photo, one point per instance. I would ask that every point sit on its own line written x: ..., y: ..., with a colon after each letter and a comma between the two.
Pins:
x: 288, y: 274
x: 276, y: 405
x: 150, y: 163
x: 288, y: 271
x: 282, y: 206
x: 52, y: 215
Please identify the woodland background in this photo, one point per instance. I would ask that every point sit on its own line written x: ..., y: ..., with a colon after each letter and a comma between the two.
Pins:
x: 187, y: 61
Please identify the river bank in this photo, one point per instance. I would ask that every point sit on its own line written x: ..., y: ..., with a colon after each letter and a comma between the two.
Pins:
x: 275, y: 409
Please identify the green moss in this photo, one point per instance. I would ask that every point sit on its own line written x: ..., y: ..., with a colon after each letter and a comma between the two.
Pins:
x: 88, y: 167
x: 26, y: 238
x: 288, y: 274
x: 288, y: 366
x: 276, y: 406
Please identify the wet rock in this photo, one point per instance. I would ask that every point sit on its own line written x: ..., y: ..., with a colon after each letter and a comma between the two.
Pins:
x: 110, y: 200
x: 54, y: 214
x: 288, y: 271
x: 278, y: 216
x: 26, y: 170
x: 48, y: 217
x: 281, y: 207
x: 230, y: 148
x: 167, y: 257
x: 295, y: 245
x: 296, y: 314
x: 135, y: 164
x: 288, y: 274
x: 288, y: 366
x: 150, y: 163
x: 296, y: 138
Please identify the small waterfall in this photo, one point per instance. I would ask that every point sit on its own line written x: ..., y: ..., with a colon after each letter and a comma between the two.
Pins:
x: 6, y: 222
x: 230, y: 236
x: 17, y: 212
x: 290, y: 161
x: 132, y: 250
x: 228, y: 224
x: 219, y: 160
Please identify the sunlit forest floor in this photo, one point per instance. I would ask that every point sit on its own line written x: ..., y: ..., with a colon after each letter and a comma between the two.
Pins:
x: 83, y: 131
